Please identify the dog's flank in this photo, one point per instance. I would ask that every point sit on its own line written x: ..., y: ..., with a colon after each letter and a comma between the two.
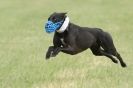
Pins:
x: 76, y: 39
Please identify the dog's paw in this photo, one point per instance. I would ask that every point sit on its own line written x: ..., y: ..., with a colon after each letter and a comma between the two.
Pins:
x: 55, y: 52
x: 123, y: 65
x: 47, y: 57
x: 49, y: 54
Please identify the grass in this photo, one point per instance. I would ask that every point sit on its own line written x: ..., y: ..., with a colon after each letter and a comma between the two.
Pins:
x: 23, y: 44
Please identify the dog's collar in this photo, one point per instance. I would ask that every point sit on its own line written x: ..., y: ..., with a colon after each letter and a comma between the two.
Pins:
x: 64, y: 25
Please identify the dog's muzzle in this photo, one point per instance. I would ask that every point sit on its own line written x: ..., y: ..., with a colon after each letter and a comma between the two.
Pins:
x: 52, y: 27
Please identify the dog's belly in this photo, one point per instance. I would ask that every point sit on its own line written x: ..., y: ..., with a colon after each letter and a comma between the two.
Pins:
x: 85, y: 41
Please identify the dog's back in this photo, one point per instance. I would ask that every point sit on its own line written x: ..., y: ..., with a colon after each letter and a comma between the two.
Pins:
x: 104, y: 39
x: 101, y: 37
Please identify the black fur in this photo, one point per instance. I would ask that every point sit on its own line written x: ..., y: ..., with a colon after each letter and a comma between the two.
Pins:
x: 77, y: 39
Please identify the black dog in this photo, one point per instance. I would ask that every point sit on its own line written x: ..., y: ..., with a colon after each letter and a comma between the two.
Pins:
x: 73, y: 39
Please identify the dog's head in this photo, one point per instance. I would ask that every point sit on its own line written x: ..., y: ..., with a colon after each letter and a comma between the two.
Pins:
x: 57, y: 21
x: 57, y: 17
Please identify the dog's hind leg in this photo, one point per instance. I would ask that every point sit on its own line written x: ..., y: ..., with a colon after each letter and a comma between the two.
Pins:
x: 116, y: 54
x: 108, y: 46
x: 109, y: 56
x: 123, y: 64
x: 96, y: 50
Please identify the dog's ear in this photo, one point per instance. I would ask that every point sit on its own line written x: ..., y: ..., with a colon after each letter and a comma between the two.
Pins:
x: 51, y: 15
x: 63, y: 14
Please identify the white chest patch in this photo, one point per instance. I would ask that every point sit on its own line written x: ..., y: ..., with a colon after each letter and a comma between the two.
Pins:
x: 62, y: 40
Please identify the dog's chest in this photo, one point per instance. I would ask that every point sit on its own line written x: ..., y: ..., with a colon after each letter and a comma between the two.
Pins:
x: 63, y: 42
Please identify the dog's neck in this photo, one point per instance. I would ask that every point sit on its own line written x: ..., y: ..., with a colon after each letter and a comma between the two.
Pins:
x: 64, y: 25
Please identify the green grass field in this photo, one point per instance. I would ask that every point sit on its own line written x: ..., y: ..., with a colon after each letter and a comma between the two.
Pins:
x: 23, y: 45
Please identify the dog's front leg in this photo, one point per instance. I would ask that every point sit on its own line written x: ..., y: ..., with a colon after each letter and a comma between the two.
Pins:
x: 52, y: 51
x: 49, y: 52
x: 67, y: 50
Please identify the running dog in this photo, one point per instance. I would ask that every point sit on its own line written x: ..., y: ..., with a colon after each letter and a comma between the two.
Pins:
x: 73, y: 39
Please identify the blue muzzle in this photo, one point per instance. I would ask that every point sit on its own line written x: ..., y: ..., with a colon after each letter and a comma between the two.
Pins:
x: 52, y: 27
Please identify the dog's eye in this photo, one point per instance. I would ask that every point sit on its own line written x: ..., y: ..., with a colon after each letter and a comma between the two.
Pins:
x: 54, y: 19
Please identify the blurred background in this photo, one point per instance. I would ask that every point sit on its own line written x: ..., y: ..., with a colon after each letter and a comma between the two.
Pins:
x: 23, y: 45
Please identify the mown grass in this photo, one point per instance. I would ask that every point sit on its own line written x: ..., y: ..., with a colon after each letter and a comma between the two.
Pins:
x: 23, y: 44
